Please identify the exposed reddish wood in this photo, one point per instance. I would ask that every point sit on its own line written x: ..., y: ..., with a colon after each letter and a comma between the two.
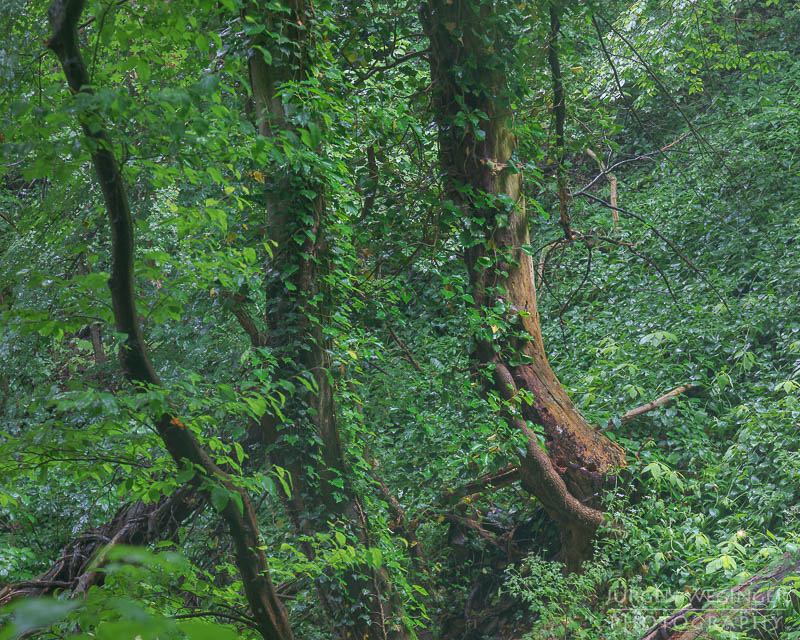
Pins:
x: 570, y: 476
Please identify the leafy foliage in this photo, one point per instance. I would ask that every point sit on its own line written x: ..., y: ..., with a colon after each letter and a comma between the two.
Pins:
x: 691, y: 106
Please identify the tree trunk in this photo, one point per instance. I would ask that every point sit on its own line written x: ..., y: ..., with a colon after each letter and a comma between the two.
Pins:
x: 469, y: 74
x: 308, y: 441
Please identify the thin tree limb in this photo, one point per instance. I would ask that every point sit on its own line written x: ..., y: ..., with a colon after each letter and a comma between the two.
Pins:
x: 665, y: 400
x: 273, y: 620
x: 402, y: 345
x: 669, y: 243
x: 664, y: 90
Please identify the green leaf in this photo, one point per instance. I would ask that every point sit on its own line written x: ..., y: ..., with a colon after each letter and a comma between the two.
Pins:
x: 34, y: 613
x: 219, y: 497
x: 206, y: 630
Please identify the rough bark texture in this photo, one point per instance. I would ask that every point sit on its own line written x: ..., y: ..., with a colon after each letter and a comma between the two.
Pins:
x: 133, y: 524
x: 469, y: 78
x: 271, y: 616
x: 308, y: 443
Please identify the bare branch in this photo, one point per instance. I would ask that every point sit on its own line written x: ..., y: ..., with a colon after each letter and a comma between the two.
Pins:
x: 665, y: 400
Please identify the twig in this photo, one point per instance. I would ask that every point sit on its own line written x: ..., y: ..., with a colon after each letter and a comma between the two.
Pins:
x: 216, y: 614
x: 606, y: 171
x: 7, y: 219
x: 669, y: 243
x: 666, y: 92
x: 405, y: 349
x: 391, y: 65
x: 565, y: 306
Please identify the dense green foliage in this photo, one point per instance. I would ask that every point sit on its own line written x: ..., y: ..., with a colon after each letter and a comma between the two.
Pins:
x: 693, y: 106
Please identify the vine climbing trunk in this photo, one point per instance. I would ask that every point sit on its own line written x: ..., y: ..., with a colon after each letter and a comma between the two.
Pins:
x: 306, y: 441
x: 268, y: 612
x: 469, y: 69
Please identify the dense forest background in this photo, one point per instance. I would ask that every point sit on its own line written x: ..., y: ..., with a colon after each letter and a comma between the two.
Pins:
x: 457, y: 319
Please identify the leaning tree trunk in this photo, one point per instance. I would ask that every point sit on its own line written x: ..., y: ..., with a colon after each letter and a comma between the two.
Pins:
x: 307, y: 441
x: 469, y: 44
x: 270, y: 615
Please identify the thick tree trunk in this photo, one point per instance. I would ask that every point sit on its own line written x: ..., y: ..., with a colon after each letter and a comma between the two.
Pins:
x: 308, y: 441
x: 271, y: 617
x: 469, y: 76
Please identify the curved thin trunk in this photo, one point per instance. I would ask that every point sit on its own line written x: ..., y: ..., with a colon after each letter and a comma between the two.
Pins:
x: 271, y: 616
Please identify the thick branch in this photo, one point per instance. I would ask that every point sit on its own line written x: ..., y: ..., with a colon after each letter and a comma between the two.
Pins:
x: 133, y: 524
x: 742, y: 601
x: 539, y: 475
x: 498, y: 480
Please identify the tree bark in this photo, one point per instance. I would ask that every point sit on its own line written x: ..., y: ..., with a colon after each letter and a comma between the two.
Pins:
x: 133, y: 524
x: 270, y: 614
x: 469, y: 76
x: 297, y: 303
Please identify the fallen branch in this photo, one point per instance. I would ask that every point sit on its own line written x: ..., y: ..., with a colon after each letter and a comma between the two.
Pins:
x: 665, y: 400
x: 749, y: 599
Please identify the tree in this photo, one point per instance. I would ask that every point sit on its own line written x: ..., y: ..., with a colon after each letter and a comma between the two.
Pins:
x: 237, y: 510
x: 470, y: 68
x: 329, y: 309
x: 298, y: 306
